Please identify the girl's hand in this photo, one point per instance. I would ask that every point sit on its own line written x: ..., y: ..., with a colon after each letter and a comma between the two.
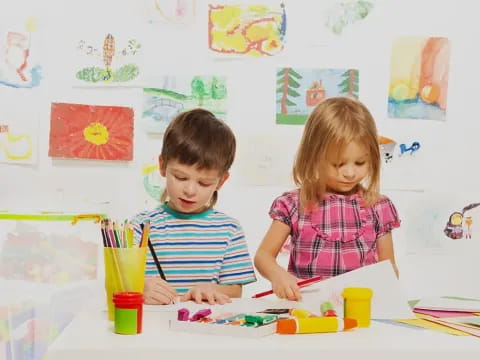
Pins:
x: 158, y: 292
x: 206, y: 292
x: 284, y: 285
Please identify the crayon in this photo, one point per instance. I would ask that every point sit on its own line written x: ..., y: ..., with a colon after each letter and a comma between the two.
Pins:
x: 301, y: 313
x: 301, y: 283
x: 314, y: 325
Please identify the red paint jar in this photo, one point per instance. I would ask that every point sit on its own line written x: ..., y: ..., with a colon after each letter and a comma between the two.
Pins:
x: 128, y: 312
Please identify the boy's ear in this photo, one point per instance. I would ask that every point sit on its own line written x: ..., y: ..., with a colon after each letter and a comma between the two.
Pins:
x: 162, y: 166
x: 222, y: 180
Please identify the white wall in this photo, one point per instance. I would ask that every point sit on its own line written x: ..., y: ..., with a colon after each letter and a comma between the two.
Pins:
x: 449, y: 148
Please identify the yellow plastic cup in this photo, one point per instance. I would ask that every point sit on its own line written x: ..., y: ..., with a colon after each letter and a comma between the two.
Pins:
x: 356, y: 304
x: 124, y: 271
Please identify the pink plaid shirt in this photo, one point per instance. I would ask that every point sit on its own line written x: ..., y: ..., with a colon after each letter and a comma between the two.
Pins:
x: 338, y: 236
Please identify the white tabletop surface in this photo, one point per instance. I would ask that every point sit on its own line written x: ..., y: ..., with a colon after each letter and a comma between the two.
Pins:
x: 90, y: 336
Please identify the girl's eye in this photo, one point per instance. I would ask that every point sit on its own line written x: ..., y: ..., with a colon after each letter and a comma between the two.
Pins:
x: 360, y: 163
x: 338, y: 165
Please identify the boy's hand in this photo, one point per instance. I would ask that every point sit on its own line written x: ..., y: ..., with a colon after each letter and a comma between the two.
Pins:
x: 158, y: 292
x: 206, y: 292
x: 284, y: 285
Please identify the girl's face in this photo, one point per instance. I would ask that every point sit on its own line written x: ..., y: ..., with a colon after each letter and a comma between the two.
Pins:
x: 190, y: 189
x: 346, y: 170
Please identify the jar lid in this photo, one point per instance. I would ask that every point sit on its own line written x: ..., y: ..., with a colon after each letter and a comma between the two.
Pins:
x: 128, y: 297
x: 357, y: 293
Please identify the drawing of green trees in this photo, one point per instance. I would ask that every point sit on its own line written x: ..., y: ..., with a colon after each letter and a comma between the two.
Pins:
x: 286, y: 82
x: 198, y: 89
x: 349, y: 84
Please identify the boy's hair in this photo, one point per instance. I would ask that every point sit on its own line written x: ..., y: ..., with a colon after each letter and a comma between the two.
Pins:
x: 332, y: 125
x: 197, y: 137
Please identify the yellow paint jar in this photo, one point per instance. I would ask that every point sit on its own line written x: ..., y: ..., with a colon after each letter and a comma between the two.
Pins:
x: 357, y: 304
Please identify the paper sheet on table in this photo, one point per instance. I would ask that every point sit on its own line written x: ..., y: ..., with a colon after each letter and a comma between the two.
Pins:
x: 389, y: 300
x: 449, y: 304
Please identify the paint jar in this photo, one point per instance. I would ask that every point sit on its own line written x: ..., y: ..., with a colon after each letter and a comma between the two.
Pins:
x: 356, y: 304
x: 124, y: 271
x: 128, y: 312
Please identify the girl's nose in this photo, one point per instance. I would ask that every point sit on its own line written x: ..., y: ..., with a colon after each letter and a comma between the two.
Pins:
x: 348, y: 172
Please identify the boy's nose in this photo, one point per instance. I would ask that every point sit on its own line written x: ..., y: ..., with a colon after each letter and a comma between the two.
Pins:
x: 189, y: 189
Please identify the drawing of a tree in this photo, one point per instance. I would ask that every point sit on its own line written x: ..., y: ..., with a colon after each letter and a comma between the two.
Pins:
x: 286, y: 82
x: 218, y: 89
x: 198, y: 89
x: 349, y: 84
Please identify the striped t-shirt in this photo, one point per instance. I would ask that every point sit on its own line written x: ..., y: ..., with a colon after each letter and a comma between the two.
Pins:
x: 193, y: 248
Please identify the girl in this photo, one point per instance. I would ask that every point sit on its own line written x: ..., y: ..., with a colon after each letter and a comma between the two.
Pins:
x: 337, y: 220
x: 202, y: 251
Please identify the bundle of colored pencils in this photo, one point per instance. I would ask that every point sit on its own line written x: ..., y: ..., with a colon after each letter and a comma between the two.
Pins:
x: 115, y: 235
x: 121, y: 236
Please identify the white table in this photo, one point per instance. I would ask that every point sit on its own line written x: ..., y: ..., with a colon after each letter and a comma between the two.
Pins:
x: 90, y: 336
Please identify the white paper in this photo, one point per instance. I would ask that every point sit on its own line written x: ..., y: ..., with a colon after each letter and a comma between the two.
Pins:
x: 388, y: 302
x: 444, y: 303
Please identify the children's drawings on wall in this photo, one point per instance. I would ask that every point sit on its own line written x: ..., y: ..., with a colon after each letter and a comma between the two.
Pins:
x: 419, y: 78
x: 346, y: 13
x: 173, y: 11
x: 402, y: 165
x: 109, y: 61
x: 300, y: 90
x: 18, y: 134
x: 153, y: 183
x: 263, y: 159
x: 444, y: 223
x: 253, y: 30
x: 19, y: 58
x: 91, y: 132
x: 29, y: 253
x: 459, y: 223
x: 174, y: 94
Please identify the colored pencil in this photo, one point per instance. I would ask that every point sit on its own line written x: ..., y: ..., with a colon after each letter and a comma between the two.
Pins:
x: 301, y: 283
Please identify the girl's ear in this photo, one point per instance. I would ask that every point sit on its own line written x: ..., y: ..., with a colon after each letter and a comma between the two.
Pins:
x: 162, y: 165
x: 222, y: 180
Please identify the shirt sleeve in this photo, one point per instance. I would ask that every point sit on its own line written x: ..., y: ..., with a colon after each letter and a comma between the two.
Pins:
x: 237, y: 267
x: 387, y: 216
x: 283, y: 208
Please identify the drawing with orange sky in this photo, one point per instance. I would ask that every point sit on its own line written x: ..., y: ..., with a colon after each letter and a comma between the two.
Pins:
x: 419, y: 78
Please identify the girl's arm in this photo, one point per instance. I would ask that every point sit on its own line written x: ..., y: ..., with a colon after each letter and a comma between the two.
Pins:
x: 385, y: 250
x: 284, y: 285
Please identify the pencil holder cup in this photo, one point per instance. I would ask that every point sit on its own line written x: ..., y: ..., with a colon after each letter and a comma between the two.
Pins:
x: 357, y: 304
x: 128, y: 312
x: 124, y: 271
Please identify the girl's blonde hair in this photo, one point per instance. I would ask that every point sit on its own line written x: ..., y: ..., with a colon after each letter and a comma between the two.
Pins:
x: 332, y: 125
x: 197, y: 137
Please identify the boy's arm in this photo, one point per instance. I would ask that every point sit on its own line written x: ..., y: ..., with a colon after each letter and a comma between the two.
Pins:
x: 385, y: 250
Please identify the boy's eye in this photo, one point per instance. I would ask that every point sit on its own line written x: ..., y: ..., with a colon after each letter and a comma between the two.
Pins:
x: 181, y: 178
x: 204, y: 184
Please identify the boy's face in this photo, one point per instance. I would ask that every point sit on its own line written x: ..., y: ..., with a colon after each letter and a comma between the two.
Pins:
x: 346, y: 170
x: 190, y: 189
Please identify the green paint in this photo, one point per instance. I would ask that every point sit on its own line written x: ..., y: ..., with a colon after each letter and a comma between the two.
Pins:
x: 126, y: 73
x: 125, y: 321
x: 96, y: 74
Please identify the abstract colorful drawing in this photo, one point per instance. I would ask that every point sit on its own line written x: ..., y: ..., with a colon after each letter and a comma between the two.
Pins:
x: 110, y: 62
x: 152, y: 181
x: 300, y: 90
x: 254, y: 30
x: 91, y: 132
x: 18, y: 140
x: 345, y: 13
x: 19, y: 65
x: 419, y: 78
x: 175, y: 94
x: 176, y: 11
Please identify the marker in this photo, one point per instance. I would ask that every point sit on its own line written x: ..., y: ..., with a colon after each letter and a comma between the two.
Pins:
x: 327, y: 309
x: 301, y: 313
x: 301, y: 283
x: 314, y: 325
